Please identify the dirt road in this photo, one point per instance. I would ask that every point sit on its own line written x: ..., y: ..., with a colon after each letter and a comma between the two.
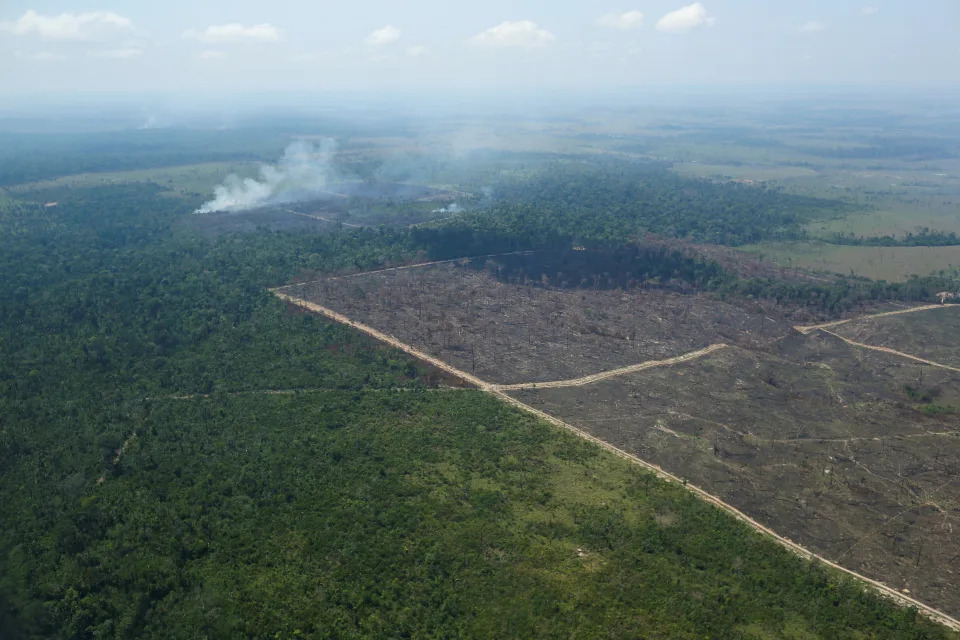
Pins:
x: 321, y: 218
x: 806, y: 330
x: 825, y: 327
x: 898, y: 597
x: 409, y: 266
x: 603, y: 375
x: 892, y: 352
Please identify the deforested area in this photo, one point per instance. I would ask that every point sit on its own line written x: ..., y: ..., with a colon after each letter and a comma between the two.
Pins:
x: 835, y: 447
x: 432, y: 367
x: 930, y: 335
x: 852, y: 452
x: 541, y: 316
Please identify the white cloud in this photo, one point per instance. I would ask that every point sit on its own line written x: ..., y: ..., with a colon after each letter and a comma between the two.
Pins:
x: 812, y: 27
x: 212, y: 55
x: 39, y: 56
x: 306, y: 57
x: 869, y: 11
x: 383, y: 36
x: 117, y: 54
x: 235, y: 33
x: 685, y: 18
x: 521, y: 33
x: 628, y: 20
x: 417, y: 51
x: 90, y: 26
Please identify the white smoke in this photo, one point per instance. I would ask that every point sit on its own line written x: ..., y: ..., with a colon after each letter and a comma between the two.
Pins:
x: 303, y: 172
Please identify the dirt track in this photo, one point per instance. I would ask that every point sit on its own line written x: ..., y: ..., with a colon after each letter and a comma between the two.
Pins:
x: 405, y: 267
x: 825, y: 327
x: 603, y: 375
x: 498, y: 391
x: 806, y: 330
x: 892, y: 352
x: 322, y: 219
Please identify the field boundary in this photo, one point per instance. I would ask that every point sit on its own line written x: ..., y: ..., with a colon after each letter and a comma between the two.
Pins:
x: 413, y: 266
x: 604, y: 375
x: 292, y: 392
x: 896, y: 596
x: 892, y: 352
x: 808, y: 329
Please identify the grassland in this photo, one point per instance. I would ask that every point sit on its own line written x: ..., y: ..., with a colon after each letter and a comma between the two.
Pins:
x: 893, y: 264
x: 182, y: 180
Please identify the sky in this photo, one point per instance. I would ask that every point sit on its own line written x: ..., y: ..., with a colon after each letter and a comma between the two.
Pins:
x: 221, y: 47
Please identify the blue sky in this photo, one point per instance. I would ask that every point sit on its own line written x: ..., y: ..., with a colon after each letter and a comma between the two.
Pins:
x: 224, y: 46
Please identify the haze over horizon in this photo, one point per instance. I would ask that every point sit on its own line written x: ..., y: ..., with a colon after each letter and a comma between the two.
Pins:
x: 123, y: 47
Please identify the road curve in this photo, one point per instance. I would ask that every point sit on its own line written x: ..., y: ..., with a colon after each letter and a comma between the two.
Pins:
x: 806, y: 330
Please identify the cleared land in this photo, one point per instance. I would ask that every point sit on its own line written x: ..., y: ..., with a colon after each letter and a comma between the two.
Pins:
x: 817, y: 440
x: 933, y: 335
x: 497, y: 326
x: 813, y: 437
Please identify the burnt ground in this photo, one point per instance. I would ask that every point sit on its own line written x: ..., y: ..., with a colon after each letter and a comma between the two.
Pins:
x: 353, y: 203
x: 933, y: 335
x: 817, y: 440
x: 509, y: 333
x: 820, y: 440
x: 274, y: 219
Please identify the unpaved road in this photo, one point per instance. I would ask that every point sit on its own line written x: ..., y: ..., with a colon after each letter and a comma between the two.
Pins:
x: 495, y: 390
x: 806, y: 330
x: 892, y: 352
x: 322, y: 219
x: 292, y: 392
x: 603, y: 375
x: 408, y: 266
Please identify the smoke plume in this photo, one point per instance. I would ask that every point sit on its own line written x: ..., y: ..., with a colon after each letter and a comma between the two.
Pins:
x: 302, y: 173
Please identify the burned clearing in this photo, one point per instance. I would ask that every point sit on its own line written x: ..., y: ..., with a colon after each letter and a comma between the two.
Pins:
x: 537, y: 317
x: 851, y: 452
x: 932, y: 335
x: 817, y: 439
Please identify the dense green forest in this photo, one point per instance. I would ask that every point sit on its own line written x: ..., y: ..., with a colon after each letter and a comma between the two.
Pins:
x: 366, y: 503
x: 604, y: 200
x: 924, y: 238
